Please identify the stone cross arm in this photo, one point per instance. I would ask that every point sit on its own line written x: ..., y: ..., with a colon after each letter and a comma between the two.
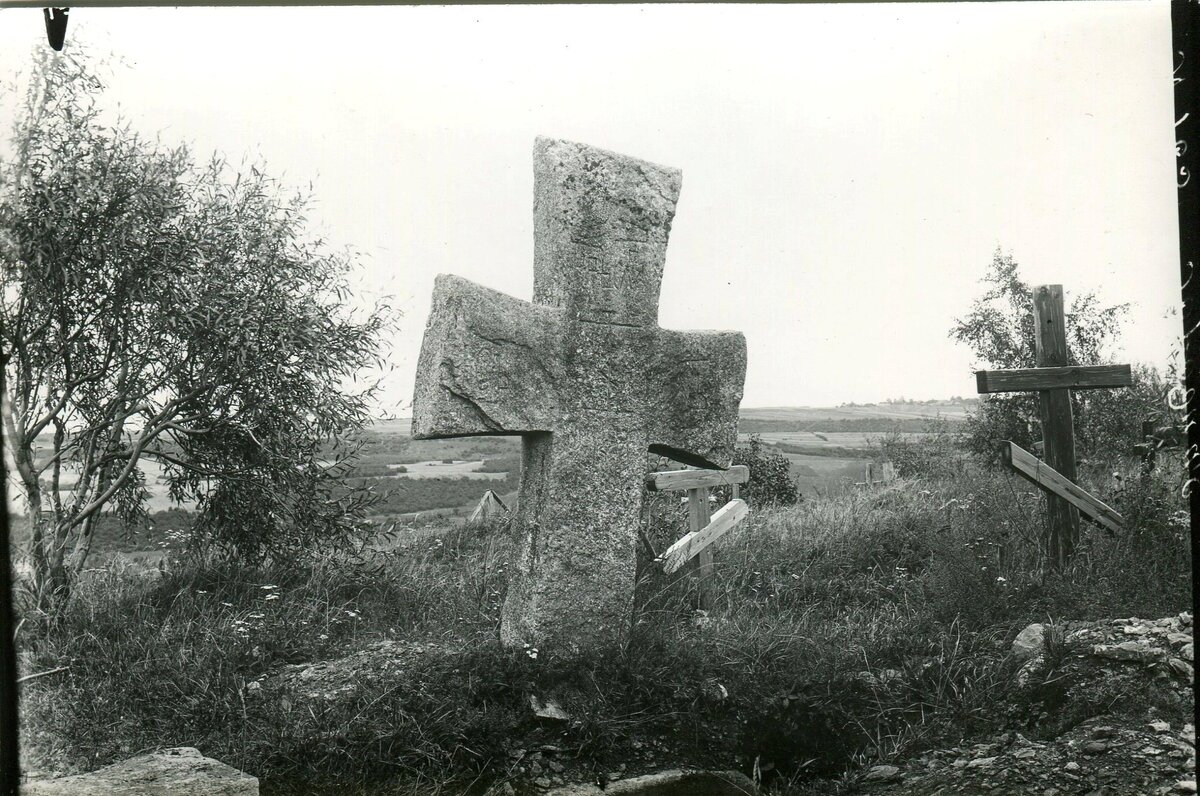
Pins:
x: 493, y: 364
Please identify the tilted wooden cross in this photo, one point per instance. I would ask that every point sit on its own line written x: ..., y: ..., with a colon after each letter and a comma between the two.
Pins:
x: 1054, y: 379
x: 704, y: 528
x: 590, y: 382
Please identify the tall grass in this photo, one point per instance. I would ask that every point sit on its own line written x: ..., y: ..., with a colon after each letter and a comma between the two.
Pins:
x: 845, y: 629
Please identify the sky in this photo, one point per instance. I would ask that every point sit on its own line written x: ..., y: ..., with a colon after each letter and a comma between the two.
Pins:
x: 848, y: 170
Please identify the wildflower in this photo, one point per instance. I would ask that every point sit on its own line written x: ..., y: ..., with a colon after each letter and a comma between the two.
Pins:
x: 323, y: 636
x: 1001, y: 579
x: 269, y: 587
x: 227, y: 605
x: 270, y: 597
x: 201, y: 591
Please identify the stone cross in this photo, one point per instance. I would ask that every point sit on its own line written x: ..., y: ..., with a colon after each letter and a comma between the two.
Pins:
x: 1054, y: 379
x: 590, y: 382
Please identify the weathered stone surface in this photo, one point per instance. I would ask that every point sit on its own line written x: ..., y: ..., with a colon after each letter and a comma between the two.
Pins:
x: 172, y: 771
x: 1029, y: 643
x: 588, y: 379
x: 669, y: 783
x: 882, y: 773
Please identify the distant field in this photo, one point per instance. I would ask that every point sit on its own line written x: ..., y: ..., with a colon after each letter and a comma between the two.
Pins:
x: 952, y: 410
x: 443, y: 469
x: 878, y: 418
x: 827, y: 447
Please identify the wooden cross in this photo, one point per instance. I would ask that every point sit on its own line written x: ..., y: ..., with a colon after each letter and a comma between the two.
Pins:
x: 590, y: 382
x: 1053, y: 379
x: 704, y: 528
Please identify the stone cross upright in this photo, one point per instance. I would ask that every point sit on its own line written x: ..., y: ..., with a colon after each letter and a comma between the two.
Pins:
x: 1054, y: 379
x: 590, y: 382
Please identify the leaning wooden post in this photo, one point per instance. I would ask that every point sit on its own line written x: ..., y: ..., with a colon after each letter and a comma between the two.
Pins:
x: 1058, y: 427
x: 699, y: 516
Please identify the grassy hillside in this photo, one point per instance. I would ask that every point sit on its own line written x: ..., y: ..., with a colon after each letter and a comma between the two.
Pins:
x: 920, y: 585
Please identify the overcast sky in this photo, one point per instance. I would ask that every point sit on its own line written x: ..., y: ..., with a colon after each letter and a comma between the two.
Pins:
x: 848, y: 171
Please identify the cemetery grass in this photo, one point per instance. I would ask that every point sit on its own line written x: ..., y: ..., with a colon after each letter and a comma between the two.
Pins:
x: 922, y: 584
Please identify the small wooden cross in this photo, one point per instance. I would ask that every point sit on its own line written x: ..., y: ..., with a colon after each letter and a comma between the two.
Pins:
x: 704, y: 528
x: 1054, y: 379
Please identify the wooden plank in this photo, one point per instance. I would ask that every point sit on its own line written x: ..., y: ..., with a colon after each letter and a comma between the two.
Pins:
x: 1058, y: 426
x: 1073, y: 377
x: 699, y: 515
x: 690, y: 545
x: 697, y: 479
x: 1054, y: 483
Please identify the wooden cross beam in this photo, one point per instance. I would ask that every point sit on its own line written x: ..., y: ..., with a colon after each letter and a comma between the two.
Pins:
x: 1053, y: 379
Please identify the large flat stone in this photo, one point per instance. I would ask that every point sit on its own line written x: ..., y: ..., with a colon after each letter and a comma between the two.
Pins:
x: 182, y: 771
x: 677, y: 782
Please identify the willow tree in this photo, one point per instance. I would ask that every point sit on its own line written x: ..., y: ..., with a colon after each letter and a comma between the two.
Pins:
x: 999, y: 330
x: 157, y: 310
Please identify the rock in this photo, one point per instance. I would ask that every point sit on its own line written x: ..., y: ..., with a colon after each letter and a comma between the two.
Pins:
x: 1030, y: 671
x: 1029, y: 643
x: 1186, y: 786
x: 881, y: 774
x: 981, y: 762
x: 1128, y: 651
x: 1071, y: 766
x: 1095, y: 747
x: 341, y: 679
x: 1181, y: 668
x: 1160, y: 726
x: 676, y: 782
x: 182, y: 770
x: 1186, y: 652
x: 549, y: 710
x: 588, y: 378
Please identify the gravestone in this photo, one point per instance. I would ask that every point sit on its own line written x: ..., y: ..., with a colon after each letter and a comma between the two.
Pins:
x: 590, y: 382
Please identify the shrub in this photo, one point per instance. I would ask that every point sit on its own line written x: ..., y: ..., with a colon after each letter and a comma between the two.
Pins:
x: 771, y: 482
